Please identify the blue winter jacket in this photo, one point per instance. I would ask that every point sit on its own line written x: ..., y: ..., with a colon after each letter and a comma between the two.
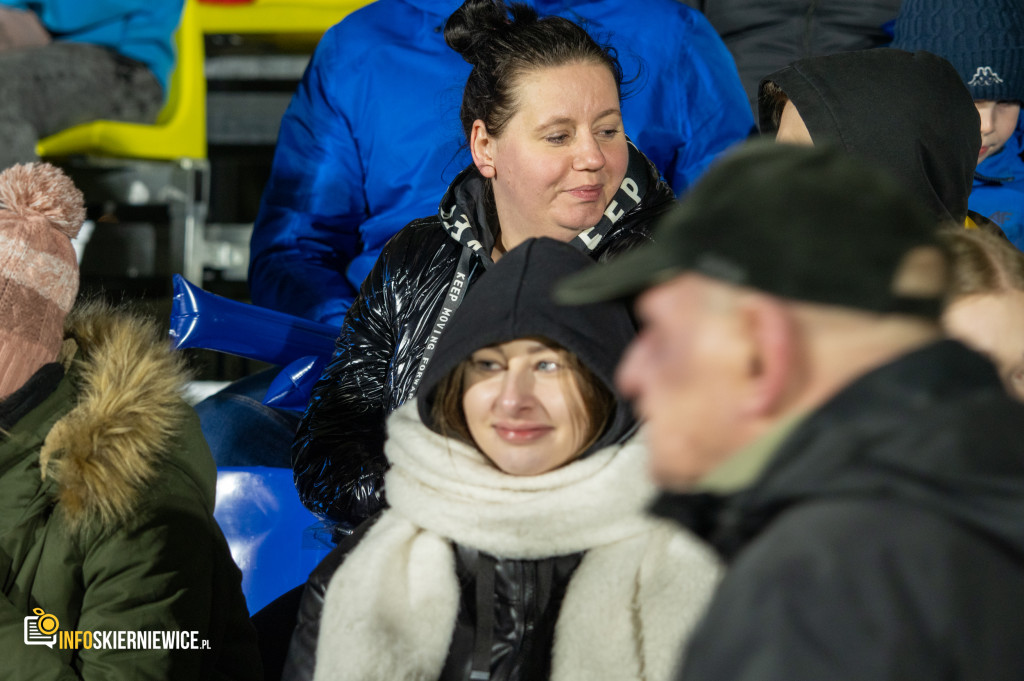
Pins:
x: 139, y: 29
x: 372, y: 136
x: 998, y: 192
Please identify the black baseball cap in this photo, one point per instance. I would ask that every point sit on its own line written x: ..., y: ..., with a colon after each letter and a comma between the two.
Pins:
x: 808, y: 223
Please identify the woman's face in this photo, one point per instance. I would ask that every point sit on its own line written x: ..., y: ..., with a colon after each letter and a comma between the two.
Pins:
x: 560, y: 158
x: 523, y: 407
x: 993, y: 324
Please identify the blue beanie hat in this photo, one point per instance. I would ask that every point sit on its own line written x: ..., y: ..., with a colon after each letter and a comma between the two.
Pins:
x: 983, y: 39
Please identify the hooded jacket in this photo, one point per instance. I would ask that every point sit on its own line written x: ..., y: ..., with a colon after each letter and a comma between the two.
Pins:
x: 908, y: 113
x: 403, y: 309
x: 371, y: 138
x: 883, y: 541
x: 524, y: 575
x: 106, y: 503
x: 999, y: 187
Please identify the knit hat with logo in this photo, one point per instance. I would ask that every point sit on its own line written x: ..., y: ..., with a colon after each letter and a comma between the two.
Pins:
x: 983, y: 39
x: 41, y: 210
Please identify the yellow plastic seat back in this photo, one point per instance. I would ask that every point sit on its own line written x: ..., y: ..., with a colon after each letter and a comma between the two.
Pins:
x: 276, y: 16
x: 180, y: 129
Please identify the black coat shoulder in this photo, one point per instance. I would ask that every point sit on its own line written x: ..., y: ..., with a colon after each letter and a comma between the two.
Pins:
x: 526, y: 600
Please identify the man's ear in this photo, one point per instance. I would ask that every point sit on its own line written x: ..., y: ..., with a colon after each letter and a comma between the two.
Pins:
x: 772, y: 336
x: 481, y: 146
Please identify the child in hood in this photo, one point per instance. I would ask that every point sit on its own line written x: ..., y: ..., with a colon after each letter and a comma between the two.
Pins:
x: 881, y: 105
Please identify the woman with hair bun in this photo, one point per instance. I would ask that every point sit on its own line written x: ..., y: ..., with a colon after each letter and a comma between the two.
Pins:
x: 542, y: 119
x: 517, y: 545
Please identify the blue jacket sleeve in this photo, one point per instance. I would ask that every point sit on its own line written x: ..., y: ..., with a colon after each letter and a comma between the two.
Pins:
x: 66, y: 16
x: 711, y: 103
x: 307, y: 229
x: 138, y: 29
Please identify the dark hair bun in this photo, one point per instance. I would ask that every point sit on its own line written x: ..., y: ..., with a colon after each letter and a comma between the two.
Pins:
x: 471, y: 29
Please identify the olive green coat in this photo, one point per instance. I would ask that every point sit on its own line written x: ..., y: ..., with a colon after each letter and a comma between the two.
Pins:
x: 106, y: 502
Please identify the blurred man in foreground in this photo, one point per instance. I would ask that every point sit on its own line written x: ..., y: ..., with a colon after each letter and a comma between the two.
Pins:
x: 861, y: 475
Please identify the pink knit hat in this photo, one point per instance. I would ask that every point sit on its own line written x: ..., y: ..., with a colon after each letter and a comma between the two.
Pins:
x: 41, y: 210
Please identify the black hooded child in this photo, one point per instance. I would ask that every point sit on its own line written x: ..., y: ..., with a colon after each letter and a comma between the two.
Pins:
x: 907, y: 112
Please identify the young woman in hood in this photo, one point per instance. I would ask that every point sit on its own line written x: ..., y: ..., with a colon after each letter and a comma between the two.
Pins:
x: 541, y: 115
x: 517, y: 545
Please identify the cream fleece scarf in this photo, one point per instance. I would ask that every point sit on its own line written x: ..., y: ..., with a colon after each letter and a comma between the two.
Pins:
x: 390, y: 609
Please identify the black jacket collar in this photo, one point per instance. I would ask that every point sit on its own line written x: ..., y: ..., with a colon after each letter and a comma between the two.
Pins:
x: 29, y: 396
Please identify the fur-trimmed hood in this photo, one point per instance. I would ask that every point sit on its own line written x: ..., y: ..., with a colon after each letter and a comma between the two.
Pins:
x: 127, y: 384
x: 106, y: 501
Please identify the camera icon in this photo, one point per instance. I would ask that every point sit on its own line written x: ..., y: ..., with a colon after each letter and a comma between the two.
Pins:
x: 41, y: 629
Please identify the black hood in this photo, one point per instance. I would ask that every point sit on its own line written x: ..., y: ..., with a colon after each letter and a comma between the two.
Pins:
x: 513, y: 300
x: 935, y: 429
x: 908, y: 112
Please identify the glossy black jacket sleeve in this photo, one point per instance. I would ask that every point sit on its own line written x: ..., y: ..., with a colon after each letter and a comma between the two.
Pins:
x: 337, y: 457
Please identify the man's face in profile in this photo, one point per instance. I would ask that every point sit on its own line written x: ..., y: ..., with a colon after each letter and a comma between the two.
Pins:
x: 684, y: 371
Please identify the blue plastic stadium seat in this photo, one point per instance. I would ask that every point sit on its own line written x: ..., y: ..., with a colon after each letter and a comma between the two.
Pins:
x: 274, y: 540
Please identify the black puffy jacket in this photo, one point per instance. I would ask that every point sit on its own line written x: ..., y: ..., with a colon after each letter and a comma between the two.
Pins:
x: 883, y: 541
x: 526, y: 598
x: 403, y: 305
